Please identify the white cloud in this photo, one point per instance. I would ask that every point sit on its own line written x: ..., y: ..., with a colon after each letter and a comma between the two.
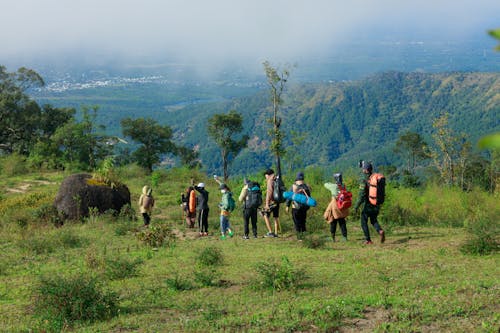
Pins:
x: 224, y: 29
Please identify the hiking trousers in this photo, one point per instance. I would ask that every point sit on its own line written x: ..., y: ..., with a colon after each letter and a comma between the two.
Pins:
x: 203, y: 220
x: 342, y: 226
x: 372, y: 214
x: 299, y: 219
x: 250, y: 214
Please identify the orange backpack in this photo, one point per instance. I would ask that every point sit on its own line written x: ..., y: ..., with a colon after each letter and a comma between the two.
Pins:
x: 376, y: 189
x: 192, y: 201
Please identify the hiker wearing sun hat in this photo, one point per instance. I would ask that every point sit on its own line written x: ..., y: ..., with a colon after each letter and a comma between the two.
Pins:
x: 202, y: 207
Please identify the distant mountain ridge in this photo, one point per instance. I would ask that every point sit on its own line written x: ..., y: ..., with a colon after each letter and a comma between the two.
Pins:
x: 342, y: 122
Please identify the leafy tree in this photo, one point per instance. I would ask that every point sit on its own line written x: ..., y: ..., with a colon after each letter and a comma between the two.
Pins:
x: 276, y: 80
x: 495, y: 34
x: 155, y: 140
x: 19, y: 114
x: 189, y: 157
x: 221, y: 128
x: 79, y: 144
x: 412, y: 147
x: 452, y: 152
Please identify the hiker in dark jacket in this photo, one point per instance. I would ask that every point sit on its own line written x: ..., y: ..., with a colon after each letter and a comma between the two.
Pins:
x: 202, y: 208
x: 368, y: 211
x: 299, y: 211
x: 249, y: 213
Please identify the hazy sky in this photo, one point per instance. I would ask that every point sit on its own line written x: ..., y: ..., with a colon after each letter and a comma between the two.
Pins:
x: 227, y: 29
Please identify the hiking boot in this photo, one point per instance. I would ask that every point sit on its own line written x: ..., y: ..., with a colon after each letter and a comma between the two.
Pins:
x: 231, y: 233
x: 223, y: 237
x: 344, y: 239
x: 382, y: 236
x: 368, y: 242
x: 275, y: 235
x: 246, y: 237
x: 255, y: 236
x: 269, y: 234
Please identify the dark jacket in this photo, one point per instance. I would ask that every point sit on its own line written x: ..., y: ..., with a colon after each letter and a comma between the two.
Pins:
x: 202, y: 198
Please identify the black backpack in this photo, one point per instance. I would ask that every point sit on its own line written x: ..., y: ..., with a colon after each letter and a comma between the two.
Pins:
x: 254, y: 196
x: 279, y: 189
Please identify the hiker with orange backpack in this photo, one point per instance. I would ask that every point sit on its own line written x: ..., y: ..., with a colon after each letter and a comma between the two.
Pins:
x: 370, y: 198
x: 338, y: 209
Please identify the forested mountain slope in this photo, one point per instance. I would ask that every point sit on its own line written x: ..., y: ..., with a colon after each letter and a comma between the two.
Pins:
x: 342, y: 122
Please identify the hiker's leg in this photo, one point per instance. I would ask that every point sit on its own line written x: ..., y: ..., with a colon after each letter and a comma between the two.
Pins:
x: 295, y: 217
x: 253, y: 218
x: 364, y: 225
x: 246, y: 220
x: 374, y: 222
x: 268, y: 224
x: 333, y: 228
x: 343, y: 227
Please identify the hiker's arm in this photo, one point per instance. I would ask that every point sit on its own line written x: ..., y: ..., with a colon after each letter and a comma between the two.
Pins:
x: 361, y: 193
x: 243, y: 193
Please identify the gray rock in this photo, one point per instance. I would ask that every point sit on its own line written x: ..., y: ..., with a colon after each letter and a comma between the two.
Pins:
x: 78, y: 193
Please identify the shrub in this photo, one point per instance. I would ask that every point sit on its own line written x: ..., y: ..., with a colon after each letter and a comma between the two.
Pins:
x: 210, y: 256
x: 280, y: 276
x: 207, y: 277
x: 68, y: 239
x: 38, y: 245
x: 156, y: 236
x: 64, y: 300
x: 48, y: 214
x: 121, y: 268
x: 178, y: 283
x: 482, y: 239
x: 14, y: 165
x: 314, y: 241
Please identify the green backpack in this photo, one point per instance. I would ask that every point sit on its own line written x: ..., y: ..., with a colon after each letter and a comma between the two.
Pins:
x: 231, y: 204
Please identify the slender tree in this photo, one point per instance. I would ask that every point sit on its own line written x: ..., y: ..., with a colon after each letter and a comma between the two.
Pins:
x: 276, y: 80
x: 155, y: 140
x: 412, y: 147
x: 222, y: 128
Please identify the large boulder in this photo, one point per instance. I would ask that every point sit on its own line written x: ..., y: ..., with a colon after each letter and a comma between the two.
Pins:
x: 80, y: 192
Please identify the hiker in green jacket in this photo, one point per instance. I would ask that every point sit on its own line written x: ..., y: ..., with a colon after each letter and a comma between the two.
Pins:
x: 368, y: 211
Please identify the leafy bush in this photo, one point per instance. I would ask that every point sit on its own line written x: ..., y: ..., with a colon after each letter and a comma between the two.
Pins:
x: 47, y: 213
x: 207, y: 277
x: 68, y: 239
x: 157, y: 236
x: 121, y: 268
x: 14, y: 165
x: 38, y: 245
x: 178, y: 283
x: 64, y: 300
x: 280, y: 276
x: 210, y: 256
x: 314, y: 241
x: 483, y: 237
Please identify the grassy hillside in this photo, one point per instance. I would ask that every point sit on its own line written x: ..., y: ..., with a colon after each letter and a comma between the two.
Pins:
x: 419, y: 280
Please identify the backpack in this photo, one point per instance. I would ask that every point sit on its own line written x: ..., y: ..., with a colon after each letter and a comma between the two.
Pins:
x: 376, y: 189
x: 254, y: 196
x: 278, y: 190
x: 231, y: 204
x: 301, y: 188
x: 344, y: 198
x: 192, y: 202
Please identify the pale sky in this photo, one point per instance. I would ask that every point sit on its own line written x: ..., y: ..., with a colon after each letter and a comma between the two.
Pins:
x: 222, y: 29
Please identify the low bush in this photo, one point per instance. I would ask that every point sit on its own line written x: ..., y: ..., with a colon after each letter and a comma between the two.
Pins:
x: 178, y: 283
x: 121, y: 268
x: 210, y: 256
x: 280, y: 277
x: 62, y: 301
x: 157, y: 236
x: 207, y: 277
x: 314, y: 241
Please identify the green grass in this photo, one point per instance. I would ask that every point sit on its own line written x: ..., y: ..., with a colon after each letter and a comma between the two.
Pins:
x: 419, y: 280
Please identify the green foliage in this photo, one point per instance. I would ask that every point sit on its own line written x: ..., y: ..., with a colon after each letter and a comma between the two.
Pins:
x: 153, y: 138
x: 280, y: 276
x: 495, y: 34
x: 210, y: 256
x: 221, y: 128
x: 313, y: 241
x: 66, y: 300
x: 121, y: 267
x: 178, y: 283
x: 207, y: 276
x: 13, y: 165
x: 47, y: 214
x: 157, y: 236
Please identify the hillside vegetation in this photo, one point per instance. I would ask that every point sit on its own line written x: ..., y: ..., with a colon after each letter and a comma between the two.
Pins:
x: 108, y: 274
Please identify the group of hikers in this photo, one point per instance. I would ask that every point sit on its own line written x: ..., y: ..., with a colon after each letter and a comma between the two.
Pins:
x: 195, y: 205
